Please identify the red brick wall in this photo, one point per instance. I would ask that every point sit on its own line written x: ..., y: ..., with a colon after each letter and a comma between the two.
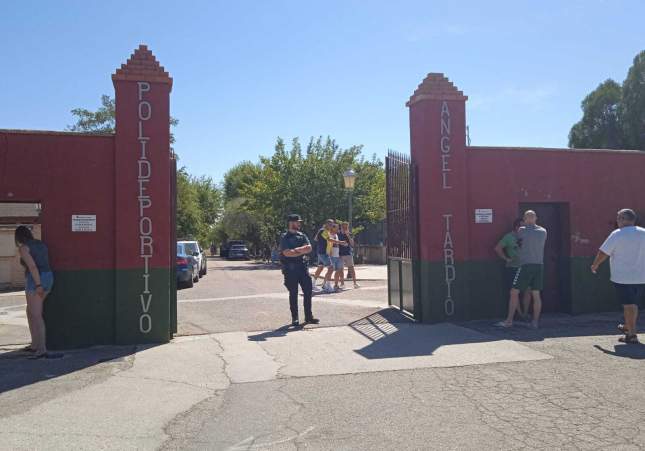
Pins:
x: 69, y: 173
x: 595, y: 184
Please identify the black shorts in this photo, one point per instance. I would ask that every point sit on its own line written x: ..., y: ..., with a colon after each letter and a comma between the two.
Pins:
x: 630, y: 294
x: 509, y: 277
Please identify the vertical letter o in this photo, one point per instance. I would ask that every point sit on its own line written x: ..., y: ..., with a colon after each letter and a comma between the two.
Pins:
x: 148, y: 111
x: 145, y: 226
x: 145, y: 318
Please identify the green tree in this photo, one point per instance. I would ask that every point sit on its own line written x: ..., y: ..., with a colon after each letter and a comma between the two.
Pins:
x: 600, y: 126
x: 190, y: 224
x: 243, y: 174
x: 309, y: 182
x: 209, y: 198
x: 240, y: 223
x: 632, y: 109
x: 102, y: 120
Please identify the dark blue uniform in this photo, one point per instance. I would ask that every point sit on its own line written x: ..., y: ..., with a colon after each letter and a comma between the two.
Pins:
x: 296, y: 273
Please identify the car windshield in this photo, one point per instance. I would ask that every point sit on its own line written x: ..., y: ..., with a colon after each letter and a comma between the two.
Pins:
x: 191, y: 248
x: 238, y: 247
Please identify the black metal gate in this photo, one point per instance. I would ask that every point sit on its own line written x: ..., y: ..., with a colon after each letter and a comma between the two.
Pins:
x: 402, y: 223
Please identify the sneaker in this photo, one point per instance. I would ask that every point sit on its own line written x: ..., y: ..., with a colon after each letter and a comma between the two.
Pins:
x: 295, y: 323
x: 356, y: 285
x: 342, y: 286
x: 312, y: 321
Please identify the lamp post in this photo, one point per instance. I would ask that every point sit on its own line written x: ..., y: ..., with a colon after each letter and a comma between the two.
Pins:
x: 350, y: 177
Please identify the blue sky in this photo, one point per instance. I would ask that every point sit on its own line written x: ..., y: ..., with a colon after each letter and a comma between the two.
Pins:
x: 246, y: 72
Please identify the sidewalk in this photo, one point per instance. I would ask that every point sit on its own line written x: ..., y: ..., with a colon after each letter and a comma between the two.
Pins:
x: 124, y: 397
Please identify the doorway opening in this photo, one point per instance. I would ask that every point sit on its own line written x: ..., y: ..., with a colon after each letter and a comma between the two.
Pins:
x: 554, y: 217
x: 12, y: 275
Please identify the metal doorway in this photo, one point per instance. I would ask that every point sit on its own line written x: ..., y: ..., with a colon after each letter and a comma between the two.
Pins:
x: 402, y: 223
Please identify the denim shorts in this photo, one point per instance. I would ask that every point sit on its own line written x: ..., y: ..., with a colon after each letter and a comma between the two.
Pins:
x: 324, y: 260
x: 46, y: 280
x: 337, y: 263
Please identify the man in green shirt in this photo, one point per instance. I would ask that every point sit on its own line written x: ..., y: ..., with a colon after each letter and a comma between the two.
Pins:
x: 508, y: 250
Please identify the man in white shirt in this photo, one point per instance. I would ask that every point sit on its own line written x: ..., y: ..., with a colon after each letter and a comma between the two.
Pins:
x: 625, y: 248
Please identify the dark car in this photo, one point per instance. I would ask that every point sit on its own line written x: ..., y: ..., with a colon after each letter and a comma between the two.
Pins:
x: 223, y: 251
x: 238, y: 251
x: 187, y: 268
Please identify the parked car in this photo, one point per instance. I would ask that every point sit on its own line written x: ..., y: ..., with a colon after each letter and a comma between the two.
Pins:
x: 238, y: 251
x: 187, y: 268
x: 194, y: 249
x: 224, y: 248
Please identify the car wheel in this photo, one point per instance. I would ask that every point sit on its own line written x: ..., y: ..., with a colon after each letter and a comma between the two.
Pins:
x: 196, y: 277
x: 205, y: 269
x: 189, y: 284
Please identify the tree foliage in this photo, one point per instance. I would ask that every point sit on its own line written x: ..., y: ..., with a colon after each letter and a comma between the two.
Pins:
x: 103, y: 119
x: 305, y: 181
x: 242, y: 174
x: 633, y: 104
x: 600, y: 126
x: 199, y: 207
x: 614, y: 115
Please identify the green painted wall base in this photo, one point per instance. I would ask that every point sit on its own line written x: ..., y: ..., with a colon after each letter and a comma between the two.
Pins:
x: 103, y: 307
x: 477, y: 290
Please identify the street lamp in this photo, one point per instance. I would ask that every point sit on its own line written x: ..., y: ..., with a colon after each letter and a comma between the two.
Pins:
x: 350, y: 178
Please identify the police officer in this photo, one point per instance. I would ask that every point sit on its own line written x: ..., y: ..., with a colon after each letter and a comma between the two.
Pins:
x: 294, y: 246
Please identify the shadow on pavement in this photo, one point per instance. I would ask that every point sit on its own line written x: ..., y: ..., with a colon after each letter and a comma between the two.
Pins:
x: 17, y: 370
x: 630, y: 351
x: 279, y: 332
x: 391, y: 336
x: 555, y: 325
x: 394, y: 335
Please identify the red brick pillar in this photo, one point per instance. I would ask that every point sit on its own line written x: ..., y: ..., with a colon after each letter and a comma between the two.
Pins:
x: 438, y: 140
x: 144, y: 223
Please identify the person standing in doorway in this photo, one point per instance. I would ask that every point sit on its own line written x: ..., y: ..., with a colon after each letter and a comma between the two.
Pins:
x: 625, y: 249
x: 294, y: 246
x: 324, y: 261
x: 347, y: 254
x: 39, y: 281
x: 508, y: 250
x: 530, y: 274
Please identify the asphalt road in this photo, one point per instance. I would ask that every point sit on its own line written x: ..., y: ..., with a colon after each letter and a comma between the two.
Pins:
x: 249, y: 296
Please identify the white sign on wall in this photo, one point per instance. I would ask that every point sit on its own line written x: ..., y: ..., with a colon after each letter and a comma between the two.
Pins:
x: 483, y: 215
x: 83, y: 223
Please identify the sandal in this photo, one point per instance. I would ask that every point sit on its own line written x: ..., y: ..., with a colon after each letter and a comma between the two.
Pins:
x: 27, y: 348
x: 629, y: 339
x: 42, y: 355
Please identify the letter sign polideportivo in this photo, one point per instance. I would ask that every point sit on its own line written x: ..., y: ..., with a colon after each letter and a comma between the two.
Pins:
x: 146, y: 248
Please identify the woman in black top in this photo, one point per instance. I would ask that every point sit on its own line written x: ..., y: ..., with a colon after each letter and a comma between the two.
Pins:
x: 39, y: 280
